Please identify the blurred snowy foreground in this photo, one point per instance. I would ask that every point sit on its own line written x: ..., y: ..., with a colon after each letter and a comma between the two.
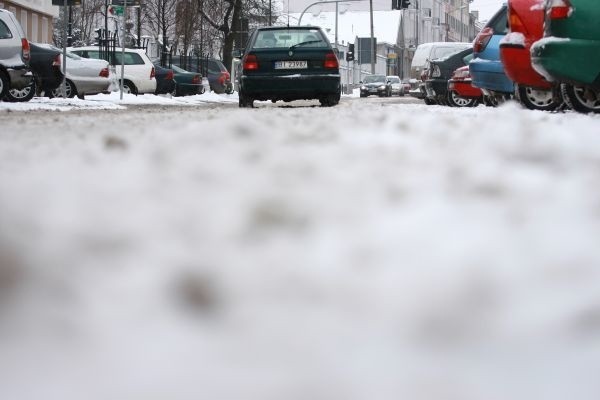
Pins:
x: 369, y: 251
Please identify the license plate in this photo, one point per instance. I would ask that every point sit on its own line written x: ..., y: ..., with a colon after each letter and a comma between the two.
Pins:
x: 291, y: 65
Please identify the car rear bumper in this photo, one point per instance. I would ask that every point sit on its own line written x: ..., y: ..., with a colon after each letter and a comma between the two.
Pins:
x: 464, y: 88
x: 91, y: 85
x: 517, y: 66
x: 290, y: 87
x: 489, y: 74
x: 574, y: 61
x: 436, y: 87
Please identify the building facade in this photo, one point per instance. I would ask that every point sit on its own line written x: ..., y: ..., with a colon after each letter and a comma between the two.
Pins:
x: 36, y: 17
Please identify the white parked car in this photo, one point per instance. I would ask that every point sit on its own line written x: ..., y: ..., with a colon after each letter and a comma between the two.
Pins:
x: 139, y: 70
x: 397, y: 86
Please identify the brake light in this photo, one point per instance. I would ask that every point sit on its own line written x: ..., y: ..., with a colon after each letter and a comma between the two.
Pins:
x: 482, y: 39
x: 25, y: 50
x: 170, y: 75
x: 250, y: 63
x: 331, y: 61
x: 152, y: 73
x: 196, y: 80
x: 104, y: 72
x: 56, y: 61
x: 560, y: 9
x: 515, y: 22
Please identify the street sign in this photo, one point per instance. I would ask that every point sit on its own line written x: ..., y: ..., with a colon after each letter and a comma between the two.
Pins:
x: 116, y: 10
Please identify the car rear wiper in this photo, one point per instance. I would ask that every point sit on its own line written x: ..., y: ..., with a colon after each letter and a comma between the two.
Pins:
x: 303, y: 43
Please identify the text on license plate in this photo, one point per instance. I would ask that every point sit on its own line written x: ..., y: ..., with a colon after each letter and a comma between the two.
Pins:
x: 291, y: 65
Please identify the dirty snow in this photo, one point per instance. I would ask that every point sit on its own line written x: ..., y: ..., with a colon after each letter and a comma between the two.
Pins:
x: 366, y: 251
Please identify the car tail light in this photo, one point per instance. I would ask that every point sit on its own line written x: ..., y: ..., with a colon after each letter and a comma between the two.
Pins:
x: 170, y: 75
x: 152, y: 73
x: 196, y: 79
x: 515, y: 23
x: 435, y: 72
x: 56, y: 62
x: 104, y: 72
x: 250, y: 62
x: 461, y: 74
x: 560, y: 9
x: 25, y: 50
x: 331, y: 61
x: 224, y: 77
x: 482, y: 39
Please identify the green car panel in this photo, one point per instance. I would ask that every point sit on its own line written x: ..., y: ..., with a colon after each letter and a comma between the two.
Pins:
x: 570, y: 51
x: 188, y: 83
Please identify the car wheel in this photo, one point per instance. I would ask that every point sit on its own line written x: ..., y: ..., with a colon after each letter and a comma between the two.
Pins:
x: 429, y: 101
x: 363, y: 95
x: 70, y: 90
x: 534, y: 99
x: 21, y: 95
x: 129, y: 87
x: 330, y: 100
x: 454, y: 100
x: 3, y: 83
x: 245, y: 101
x: 581, y: 99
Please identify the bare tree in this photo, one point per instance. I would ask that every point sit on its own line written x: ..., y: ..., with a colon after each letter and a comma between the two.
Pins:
x: 161, y: 17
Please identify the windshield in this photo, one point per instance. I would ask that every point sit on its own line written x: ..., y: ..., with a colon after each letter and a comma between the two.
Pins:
x: 374, y: 78
x: 393, y: 79
x: 286, y: 38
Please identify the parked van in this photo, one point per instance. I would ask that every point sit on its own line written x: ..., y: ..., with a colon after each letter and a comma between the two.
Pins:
x: 14, y: 54
x: 431, y: 51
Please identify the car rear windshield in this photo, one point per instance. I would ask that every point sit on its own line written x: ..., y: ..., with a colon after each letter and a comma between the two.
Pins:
x: 374, y: 78
x: 4, y: 31
x: 130, y: 58
x: 286, y: 38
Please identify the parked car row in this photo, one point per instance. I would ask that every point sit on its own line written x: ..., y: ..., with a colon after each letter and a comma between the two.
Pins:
x: 544, y: 54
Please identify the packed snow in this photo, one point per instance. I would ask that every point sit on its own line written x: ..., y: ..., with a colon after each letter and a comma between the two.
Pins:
x: 372, y: 250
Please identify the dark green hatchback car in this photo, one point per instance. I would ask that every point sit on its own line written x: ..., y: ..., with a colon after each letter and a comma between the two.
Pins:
x: 289, y: 63
x: 569, y: 53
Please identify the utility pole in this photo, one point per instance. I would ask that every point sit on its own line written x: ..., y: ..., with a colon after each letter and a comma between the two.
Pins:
x: 373, y: 49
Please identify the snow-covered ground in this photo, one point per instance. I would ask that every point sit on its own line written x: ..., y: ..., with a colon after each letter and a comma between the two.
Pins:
x: 373, y: 250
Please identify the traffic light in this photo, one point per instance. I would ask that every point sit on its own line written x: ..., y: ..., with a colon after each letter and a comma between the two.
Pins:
x: 350, y: 52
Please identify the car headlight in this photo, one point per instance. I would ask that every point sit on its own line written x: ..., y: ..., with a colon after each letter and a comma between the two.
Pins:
x: 363, y: 87
x: 382, y: 87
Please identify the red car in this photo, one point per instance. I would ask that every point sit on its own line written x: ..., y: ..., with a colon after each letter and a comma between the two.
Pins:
x: 526, y: 23
x: 462, y: 92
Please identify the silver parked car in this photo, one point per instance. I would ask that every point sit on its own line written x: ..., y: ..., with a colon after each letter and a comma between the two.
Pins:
x: 14, y: 54
x: 86, y: 76
x: 397, y: 85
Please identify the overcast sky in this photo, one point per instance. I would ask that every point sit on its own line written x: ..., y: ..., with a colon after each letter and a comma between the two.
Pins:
x: 486, y: 8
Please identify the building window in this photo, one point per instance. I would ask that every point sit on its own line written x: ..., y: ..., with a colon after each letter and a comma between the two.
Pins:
x: 24, y: 21
x: 44, y: 30
x: 34, y: 28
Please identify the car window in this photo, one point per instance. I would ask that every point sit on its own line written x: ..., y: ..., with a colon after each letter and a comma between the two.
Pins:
x: 394, y: 79
x: 214, y: 67
x: 374, y: 78
x: 4, y: 31
x: 500, y: 23
x: 130, y: 58
x: 285, y: 38
x: 439, y: 52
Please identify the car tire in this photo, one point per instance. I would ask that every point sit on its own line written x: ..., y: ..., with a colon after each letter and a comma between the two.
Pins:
x: 534, y: 99
x: 4, y: 84
x: 581, y: 99
x: 129, y: 87
x: 454, y: 100
x: 245, y: 101
x: 21, y: 95
x: 363, y: 95
x: 70, y: 88
x: 429, y: 101
x: 330, y: 100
